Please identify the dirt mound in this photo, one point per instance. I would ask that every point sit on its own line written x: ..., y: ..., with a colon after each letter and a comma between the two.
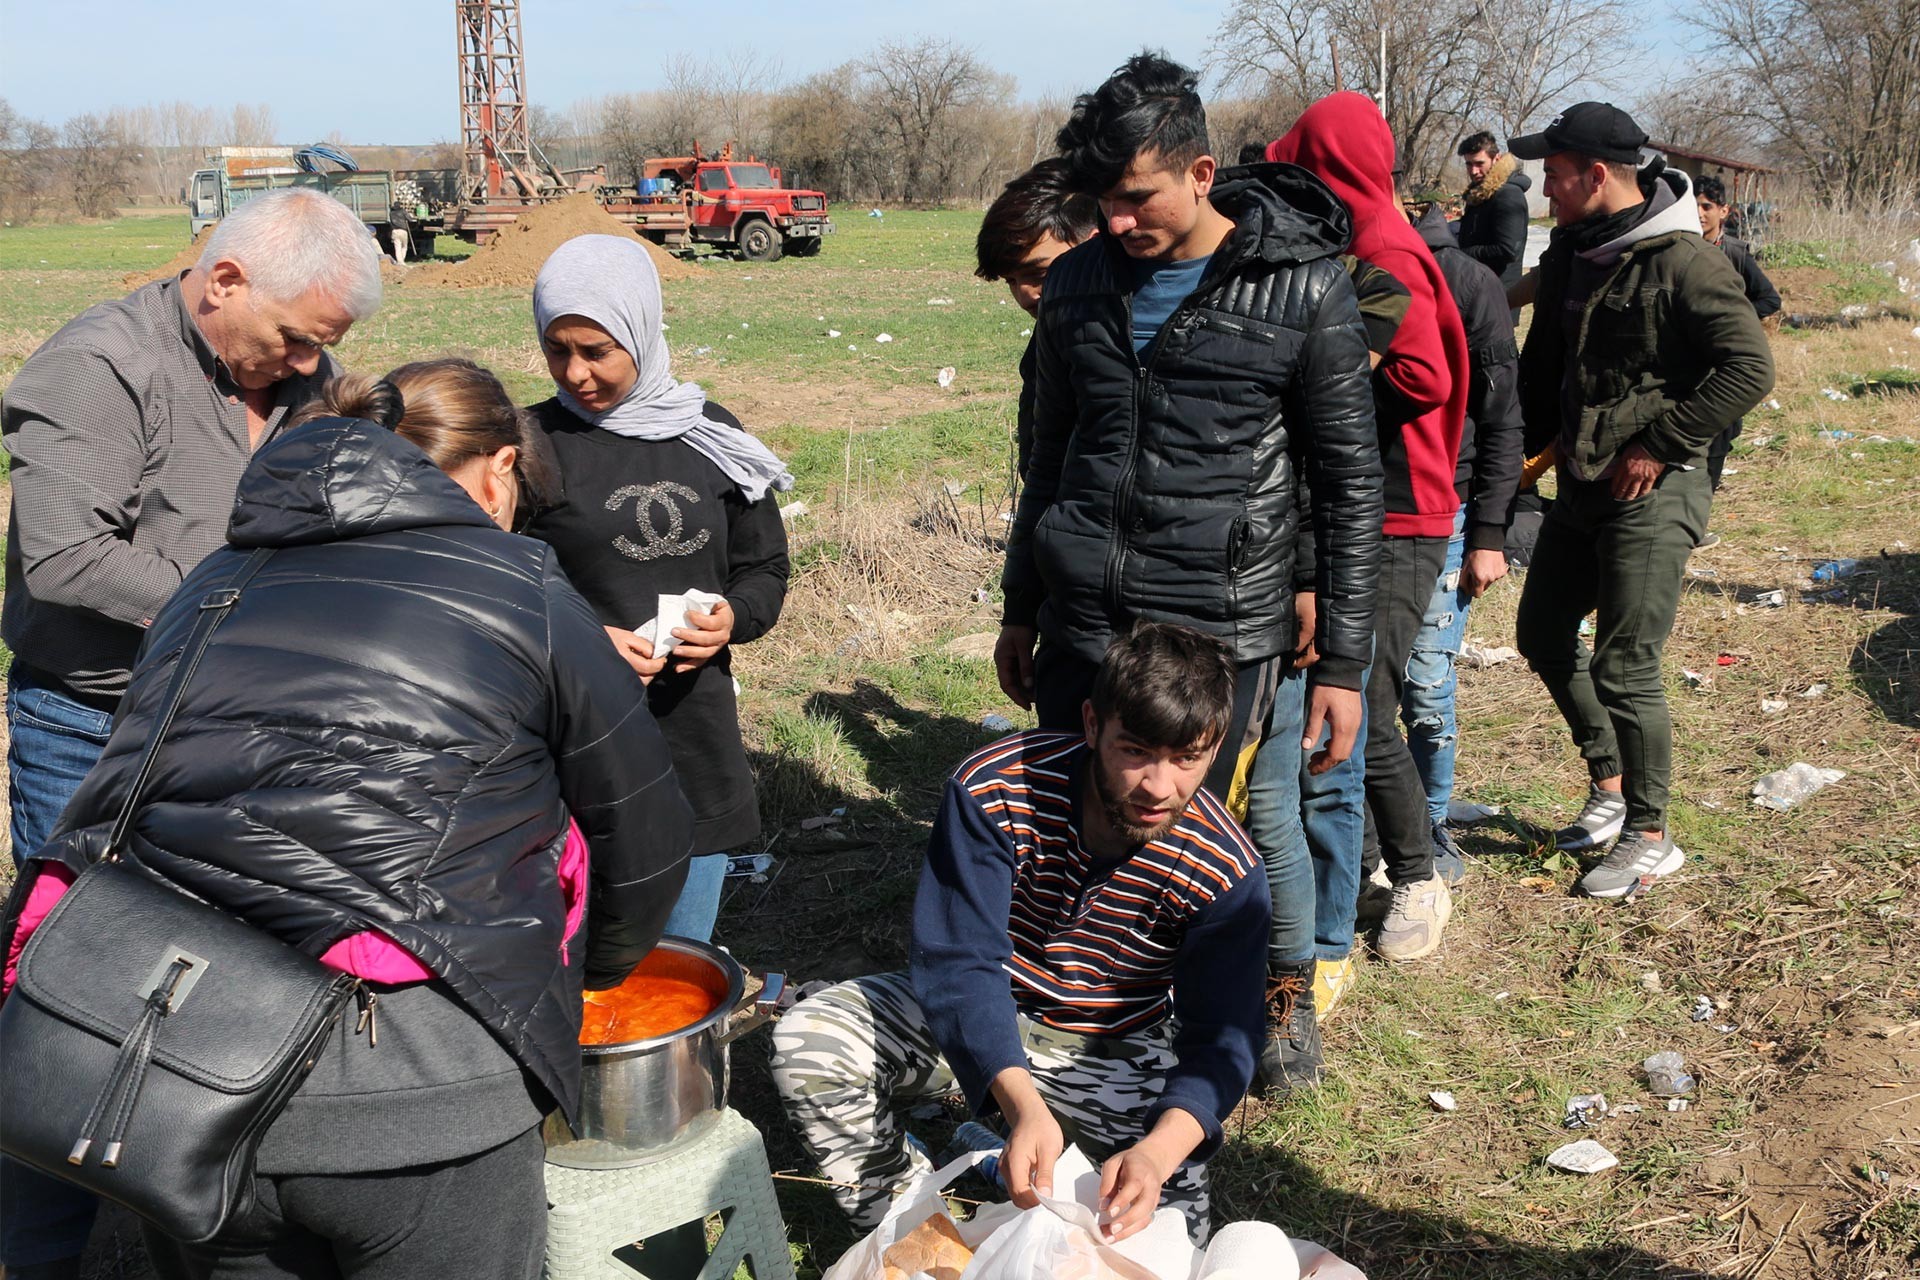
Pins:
x: 513, y: 257
x: 181, y: 261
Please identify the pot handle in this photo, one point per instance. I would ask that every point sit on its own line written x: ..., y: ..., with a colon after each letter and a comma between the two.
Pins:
x: 749, y: 1015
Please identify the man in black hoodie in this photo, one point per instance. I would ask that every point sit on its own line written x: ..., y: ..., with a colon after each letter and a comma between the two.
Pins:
x: 1194, y: 363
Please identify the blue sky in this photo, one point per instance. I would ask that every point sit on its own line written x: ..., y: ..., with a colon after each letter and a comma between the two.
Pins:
x: 382, y: 71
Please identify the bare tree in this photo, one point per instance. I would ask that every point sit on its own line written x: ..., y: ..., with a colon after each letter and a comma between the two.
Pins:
x: 1691, y: 111
x: 99, y: 164
x: 822, y: 133
x: 1834, y: 84
x: 28, y: 164
x: 741, y: 89
x: 626, y: 136
x: 252, y: 125
x: 1449, y: 65
x: 683, y: 114
x: 918, y: 91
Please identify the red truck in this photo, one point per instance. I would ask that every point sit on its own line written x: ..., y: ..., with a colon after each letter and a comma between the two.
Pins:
x: 738, y: 205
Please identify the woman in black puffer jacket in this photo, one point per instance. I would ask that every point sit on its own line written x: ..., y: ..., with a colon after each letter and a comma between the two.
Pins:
x: 384, y: 742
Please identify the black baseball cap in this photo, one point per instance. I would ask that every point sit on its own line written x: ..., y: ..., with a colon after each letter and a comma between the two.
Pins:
x: 1597, y: 129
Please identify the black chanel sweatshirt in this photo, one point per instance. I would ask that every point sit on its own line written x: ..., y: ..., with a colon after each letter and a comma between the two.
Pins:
x: 637, y: 519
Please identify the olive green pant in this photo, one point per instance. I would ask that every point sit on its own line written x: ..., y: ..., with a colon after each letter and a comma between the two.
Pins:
x: 1624, y: 561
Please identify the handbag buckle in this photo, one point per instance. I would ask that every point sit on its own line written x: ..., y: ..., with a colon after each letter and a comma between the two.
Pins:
x: 223, y: 598
x: 188, y: 980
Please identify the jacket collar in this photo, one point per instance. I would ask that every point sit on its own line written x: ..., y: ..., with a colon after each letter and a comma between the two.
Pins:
x: 338, y: 478
x: 1502, y: 169
x: 1670, y: 210
x: 1281, y: 214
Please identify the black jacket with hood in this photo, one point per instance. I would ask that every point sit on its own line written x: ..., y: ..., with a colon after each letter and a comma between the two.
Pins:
x: 1162, y: 486
x: 1491, y: 456
x: 1493, y: 219
x: 388, y: 733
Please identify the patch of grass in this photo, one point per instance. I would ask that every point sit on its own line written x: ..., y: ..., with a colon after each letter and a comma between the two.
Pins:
x: 139, y: 238
x: 1900, y: 380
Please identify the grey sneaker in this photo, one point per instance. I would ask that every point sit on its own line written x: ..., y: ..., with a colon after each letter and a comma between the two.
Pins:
x: 1415, y: 919
x: 1599, y: 822
x: 1635, y: 856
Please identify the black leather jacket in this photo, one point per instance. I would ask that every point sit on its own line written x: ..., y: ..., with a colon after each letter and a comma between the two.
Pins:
x: 389, y: 732
x: 1163, y: 486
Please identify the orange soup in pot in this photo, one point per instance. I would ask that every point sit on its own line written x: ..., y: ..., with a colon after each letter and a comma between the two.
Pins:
x: 668, y: 992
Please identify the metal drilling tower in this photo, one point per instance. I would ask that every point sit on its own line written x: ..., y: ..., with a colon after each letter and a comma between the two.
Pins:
x: 497, y: 159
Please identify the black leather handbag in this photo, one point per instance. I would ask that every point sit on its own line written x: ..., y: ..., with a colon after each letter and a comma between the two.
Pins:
x: 152, y: 1038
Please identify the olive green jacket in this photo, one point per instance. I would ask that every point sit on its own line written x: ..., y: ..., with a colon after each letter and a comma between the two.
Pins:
x: 1668, y: 352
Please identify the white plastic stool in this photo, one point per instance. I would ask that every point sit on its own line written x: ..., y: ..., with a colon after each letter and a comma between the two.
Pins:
x: 591, y: 1213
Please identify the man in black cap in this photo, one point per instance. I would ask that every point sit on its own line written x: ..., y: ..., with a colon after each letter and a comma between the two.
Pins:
x: 1643, y: 347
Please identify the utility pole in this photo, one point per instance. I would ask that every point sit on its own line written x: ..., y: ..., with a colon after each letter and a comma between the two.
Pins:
x: 1383, y: 71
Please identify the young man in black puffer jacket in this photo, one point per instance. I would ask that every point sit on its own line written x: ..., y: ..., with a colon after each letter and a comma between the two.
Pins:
x: 1194, y: 363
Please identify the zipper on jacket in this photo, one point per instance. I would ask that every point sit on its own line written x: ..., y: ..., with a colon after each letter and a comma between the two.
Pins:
x: 369, y: 1023
x: 1185, y: 318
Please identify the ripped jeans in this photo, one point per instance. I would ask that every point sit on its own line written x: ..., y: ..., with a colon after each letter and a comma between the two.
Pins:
x: 1426, y: 705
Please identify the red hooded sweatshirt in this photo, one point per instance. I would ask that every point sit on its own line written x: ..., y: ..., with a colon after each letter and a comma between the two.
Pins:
x: 1343, y: 140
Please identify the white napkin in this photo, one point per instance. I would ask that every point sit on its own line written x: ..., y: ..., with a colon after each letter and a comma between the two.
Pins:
x: 674, y: 608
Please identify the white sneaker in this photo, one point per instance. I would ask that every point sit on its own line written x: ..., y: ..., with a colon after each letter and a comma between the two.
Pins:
x: 1415, y: 919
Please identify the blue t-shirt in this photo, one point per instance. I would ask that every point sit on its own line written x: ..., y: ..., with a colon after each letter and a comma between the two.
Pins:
x: 1158, y: 290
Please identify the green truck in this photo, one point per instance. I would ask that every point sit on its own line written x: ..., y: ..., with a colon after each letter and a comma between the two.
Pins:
x: 216, y: 191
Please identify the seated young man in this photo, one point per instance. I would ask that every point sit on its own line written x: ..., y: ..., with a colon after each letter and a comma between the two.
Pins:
x: 1088, y: 959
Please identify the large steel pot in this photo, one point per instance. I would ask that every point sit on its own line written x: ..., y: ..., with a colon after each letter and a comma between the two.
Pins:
x: 641, y: 1098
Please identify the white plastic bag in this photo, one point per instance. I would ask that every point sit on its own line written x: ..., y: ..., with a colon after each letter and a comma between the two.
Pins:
x: 910, y: 1209
x: 1060, y: 1239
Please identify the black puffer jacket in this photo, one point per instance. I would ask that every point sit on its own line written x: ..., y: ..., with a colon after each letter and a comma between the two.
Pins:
x: 389, y: 731
x: 1162, y: 486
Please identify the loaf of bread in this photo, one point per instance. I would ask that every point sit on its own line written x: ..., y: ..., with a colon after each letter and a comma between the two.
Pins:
x: 933, y: 1248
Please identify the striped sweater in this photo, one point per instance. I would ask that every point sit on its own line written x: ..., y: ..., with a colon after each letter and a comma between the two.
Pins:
x: 1016, y: 916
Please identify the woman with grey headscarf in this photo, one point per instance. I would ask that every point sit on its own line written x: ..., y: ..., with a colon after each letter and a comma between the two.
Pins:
x: 664, y: 493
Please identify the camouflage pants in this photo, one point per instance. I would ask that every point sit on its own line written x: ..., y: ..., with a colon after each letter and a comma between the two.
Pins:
x: 850, y: 1059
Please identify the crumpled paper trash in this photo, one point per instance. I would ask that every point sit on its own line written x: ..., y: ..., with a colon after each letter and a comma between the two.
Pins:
x: 1584, y: 1156
x: 1475, y: 654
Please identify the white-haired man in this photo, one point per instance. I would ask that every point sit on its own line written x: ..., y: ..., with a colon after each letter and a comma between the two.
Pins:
x: 129, y: 430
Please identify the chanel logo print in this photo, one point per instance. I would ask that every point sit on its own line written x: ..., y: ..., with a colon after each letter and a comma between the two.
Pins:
x: 654, y: 542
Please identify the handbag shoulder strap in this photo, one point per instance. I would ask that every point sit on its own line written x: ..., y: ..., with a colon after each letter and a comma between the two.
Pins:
x: 214, y: 607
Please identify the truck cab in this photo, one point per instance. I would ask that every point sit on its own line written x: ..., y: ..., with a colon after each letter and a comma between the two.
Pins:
x: 205, y: 204
x: 746, y: 204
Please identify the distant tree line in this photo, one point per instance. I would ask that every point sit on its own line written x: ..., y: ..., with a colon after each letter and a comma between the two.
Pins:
x: 1826, y: 89
x: 96, y: 162
x: 923, y: 122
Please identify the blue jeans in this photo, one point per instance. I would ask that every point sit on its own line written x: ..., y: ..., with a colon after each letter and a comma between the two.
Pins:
x: 1308, y: 830
x: 698, y: 907
x: 1426, y: 705
x: 54, y: 742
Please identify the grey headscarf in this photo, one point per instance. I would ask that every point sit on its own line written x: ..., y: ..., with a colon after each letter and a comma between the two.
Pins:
x: 611, y: 281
